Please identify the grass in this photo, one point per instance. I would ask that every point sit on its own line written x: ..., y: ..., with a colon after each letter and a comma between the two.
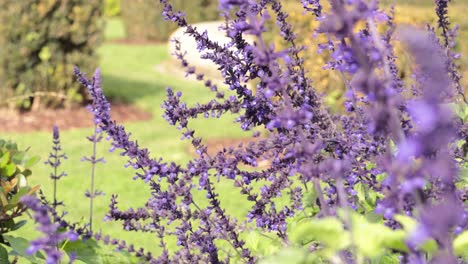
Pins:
x: 114, y: 29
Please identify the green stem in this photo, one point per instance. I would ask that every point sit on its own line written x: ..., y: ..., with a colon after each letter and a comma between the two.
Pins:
x: 93, y: 165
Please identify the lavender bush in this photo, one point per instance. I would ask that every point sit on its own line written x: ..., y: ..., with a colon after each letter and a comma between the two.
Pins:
x: 379, y: 183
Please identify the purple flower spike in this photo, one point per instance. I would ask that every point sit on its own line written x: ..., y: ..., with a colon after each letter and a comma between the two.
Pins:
x: 52, y: 236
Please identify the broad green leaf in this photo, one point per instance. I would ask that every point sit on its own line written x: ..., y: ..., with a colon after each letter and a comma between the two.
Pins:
x: 19, y: 157
x: 310, y: 197
x: 11, y: 145
x: 395, y: 239
x: 3, y: 255
x: 32, y: 161
x: 3, y: 200
x: 408, y: 223
x: 460, y: 245
x: 27, y: 172
x: 373, y: 239
x: 328, y: 230
x: 18, y: 225
x: 288, y: 255
x: 387, y: 259
x: 262, y: 245
x: 19, y: 246
x: 10, y: 169
x: 84, y: 250
x: 252, y: 241
x: 4, y: 159
x: 22, y: 191
x: 430, y: 246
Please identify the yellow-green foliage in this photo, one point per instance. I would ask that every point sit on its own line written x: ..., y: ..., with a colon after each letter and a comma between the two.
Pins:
x: 111, y: 8
x: 330, y: 82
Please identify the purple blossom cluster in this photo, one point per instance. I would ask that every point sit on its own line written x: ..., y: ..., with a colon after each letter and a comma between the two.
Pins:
x: 398, y: 140
x: 53, y: 236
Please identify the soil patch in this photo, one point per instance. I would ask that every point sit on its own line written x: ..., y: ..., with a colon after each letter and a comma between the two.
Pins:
x: 44, y: 120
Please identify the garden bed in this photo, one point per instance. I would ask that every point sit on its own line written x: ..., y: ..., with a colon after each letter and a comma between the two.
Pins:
x: 44, y: 120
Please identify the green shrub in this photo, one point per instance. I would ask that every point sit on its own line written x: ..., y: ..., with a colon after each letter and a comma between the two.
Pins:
x: 15, y: 169
x: 41, y: 40
x: 111, y: 8
x: 143, y: 19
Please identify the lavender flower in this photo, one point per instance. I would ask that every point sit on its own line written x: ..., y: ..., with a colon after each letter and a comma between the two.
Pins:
x: 52, y: 235
x: 313, y: 6
x: 55, y: 160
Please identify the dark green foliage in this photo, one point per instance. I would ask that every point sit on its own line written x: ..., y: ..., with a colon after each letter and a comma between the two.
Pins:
x: 143, y: 19
x: 41, y: 40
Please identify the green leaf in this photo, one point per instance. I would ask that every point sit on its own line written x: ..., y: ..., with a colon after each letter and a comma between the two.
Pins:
x: 261, y: 245
x: 84, y: 250
x: 373, y: 239
x: 21, y: 192
x: 408, y: 223
x: 18, y: 158
x: 387, y: 259
x: 3, y: 200
x: 3, y: 255
x: 18, y: 225
x: 10, y: 169
x: 19, y: 246
x: 460, y: 245
x: 27, y: 172
x: 290, y: 256
x: 4, y: 159
x: 429, y: 246
x: 11, y: 145
x: 328, y: 230
x: 252, y: 241
x: 32, y: 161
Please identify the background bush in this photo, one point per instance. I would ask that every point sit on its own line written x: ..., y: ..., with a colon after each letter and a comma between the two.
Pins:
x: 329, y: 82
x: 143, y: 19
x: 41, y: 40
x: 111, y: 8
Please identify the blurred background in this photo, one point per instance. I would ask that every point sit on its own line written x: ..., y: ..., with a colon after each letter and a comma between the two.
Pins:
x: 41, y: 41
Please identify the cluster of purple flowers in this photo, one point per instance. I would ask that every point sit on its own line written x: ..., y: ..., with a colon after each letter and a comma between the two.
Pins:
x: 402, y: 143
